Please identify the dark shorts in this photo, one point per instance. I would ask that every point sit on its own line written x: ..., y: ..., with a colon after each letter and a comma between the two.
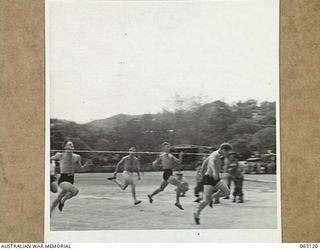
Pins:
x: 208, y: 180
x: 66, y: 177
x: 52, y: 178
x: 166, y: 174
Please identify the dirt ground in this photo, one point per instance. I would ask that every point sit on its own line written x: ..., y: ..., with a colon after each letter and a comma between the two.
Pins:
x: 101, y: 205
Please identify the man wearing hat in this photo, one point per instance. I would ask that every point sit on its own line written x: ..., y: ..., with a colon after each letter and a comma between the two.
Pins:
x: 235, y: 173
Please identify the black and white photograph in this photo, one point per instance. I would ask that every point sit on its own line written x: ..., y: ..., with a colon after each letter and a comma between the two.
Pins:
x: 162, y: 121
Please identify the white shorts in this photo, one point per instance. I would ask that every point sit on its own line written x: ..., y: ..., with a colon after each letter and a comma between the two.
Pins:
x: 128, y: 178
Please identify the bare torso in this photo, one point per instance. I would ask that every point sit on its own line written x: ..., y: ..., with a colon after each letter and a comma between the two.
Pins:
x: 130, y: 164
x: 68, y: 162
x: 214, y: 164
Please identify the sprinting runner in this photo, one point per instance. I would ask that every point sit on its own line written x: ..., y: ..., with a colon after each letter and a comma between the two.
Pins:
x: 211, y: 179
x: 199, y: 187
x: 53, y: 177
x: 131, y: 164
x: 167, y: 162
x: 68, y: 163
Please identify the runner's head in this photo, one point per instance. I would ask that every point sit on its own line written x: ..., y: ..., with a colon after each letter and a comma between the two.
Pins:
x: 166, y: 147
x: 225, y: 149
x: 68, y: 145
x: 132, y: 151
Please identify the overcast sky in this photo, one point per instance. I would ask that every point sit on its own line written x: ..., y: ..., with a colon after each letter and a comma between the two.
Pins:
x: 106, y: 58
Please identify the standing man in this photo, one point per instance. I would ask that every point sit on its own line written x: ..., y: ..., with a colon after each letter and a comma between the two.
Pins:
x: 211, y: 179
x: 236, y: 173
x: 68, y: 163
x: 167, y: 162
x: 131, y: 164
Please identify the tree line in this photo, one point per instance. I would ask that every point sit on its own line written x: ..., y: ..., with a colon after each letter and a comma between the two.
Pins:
x: 248, y: 125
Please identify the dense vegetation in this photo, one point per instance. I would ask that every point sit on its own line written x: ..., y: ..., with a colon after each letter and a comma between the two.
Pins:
x: 248, y: 126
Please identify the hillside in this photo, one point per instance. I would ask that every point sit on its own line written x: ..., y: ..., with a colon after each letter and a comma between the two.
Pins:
x: 248, y: 126
x: 109, y: 123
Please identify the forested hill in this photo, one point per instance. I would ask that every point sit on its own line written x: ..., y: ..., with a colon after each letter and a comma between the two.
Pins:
x: 111, y: 122
x: 248, y: 126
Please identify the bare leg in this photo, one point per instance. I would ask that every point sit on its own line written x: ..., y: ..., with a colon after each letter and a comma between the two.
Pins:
x: 208, y: 189
x: 178, y: 184
x: 70, y: 190
x: 69, y: 195
x: 163, y: 185
x: 223, y: 190
x: 198, y: 191
x: 54, y: 187
x: 122, y: 186
x: 133, y: 192
x: 57, y: 200
x: 178, y: 194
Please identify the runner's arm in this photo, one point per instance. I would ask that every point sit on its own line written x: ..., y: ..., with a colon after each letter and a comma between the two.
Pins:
x: 138, y: 169
x: 157, y: 161
x: 179, y: 161
x: 215, y: 174
x: 212, y: 163
x: 56, y: 157
x: 53, y: 167
x: 118, y: 165
x: 203, y: 167
x: 79, y: 162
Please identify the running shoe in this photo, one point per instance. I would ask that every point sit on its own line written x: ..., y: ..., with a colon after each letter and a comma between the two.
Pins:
x: 196, y: 219
x: 150, y: 198
x: 178, y: 205
x: 197, y: 200
x: 137, y: 202
x: 60, y: 207
x: 211, y: 204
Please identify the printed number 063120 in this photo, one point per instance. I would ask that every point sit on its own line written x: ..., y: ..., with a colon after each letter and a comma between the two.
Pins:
x: 308, y: 245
